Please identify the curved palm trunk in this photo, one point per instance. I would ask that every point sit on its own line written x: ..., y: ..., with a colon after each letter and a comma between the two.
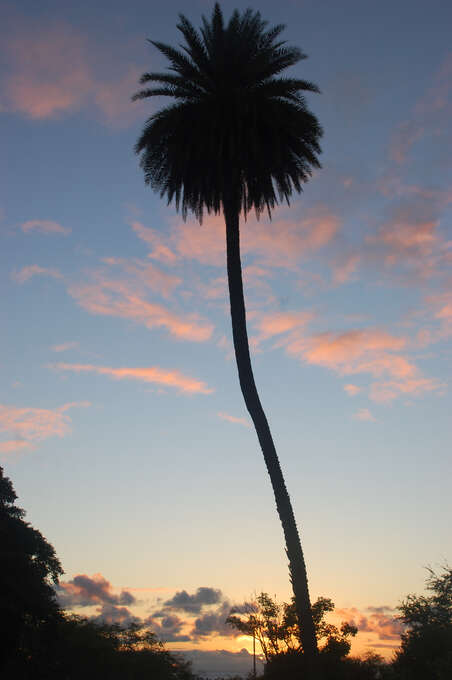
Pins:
x: 297, y: 567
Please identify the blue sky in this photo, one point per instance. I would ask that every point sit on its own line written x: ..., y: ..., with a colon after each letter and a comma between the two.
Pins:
x: 121, y: 419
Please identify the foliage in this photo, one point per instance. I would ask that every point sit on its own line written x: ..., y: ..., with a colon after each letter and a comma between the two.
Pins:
x: 40, y: 642
x: 275, y: 626
x: 28, y: 567
x: 233, y: 120
x: 426, y: 649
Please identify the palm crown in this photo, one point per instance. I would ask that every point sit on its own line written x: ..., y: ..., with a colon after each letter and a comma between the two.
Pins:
x: 237, y: 131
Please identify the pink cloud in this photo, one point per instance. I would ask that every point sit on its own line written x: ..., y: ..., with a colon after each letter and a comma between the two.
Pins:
x: 148, y: 374
x: 387, y: 391
x: 277, y: 243
x: 278, y: 323
x: 159, y: 250
x: 345, y: 267
x: 145, y: 275
x: 233, y: 419
x: 352, y: 390
x: 15, y: 445
x: 364, y: 414
x: 380, y: 621
x: 26, y: 273
x: 44, y: 227
x: 65, y: 346
x: 54, y: 69
x: 348, y: 352
x: 31, y: 425
x: 119, y: 298
x: 370, y: 351
x: 403, y: 139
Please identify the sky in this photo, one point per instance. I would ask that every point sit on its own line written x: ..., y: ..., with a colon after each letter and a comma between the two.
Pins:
x: 122, y: 425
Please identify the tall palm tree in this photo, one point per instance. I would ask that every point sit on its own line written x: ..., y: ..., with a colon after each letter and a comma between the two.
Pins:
x: 237, y: 137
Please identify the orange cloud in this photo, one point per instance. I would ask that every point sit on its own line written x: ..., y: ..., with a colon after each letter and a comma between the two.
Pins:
x: 233, y: 419
x: 148, y: 374
x: 31, y: 425
x: 26, y: 273
x: 118, y: 298
x: 44, y: 227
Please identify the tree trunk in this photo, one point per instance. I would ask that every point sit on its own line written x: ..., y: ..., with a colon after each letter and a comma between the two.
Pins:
x: 297, y: 567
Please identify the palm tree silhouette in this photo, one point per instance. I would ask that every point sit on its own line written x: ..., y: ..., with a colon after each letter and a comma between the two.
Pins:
x: 238, y: 137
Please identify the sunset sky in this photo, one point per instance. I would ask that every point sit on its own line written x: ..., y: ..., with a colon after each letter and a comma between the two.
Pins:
x: 122, y: 425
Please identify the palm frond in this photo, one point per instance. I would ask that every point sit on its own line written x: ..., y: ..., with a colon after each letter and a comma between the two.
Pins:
x: 236, y: 125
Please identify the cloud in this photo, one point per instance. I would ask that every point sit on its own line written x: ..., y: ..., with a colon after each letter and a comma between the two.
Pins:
x: 277, y: 243
x: 214, y: 623
x: 364, y: 414
x: 44, y: 227
x: 277, y: 323
x: 167, y: 628
x: 344, y: 267
x: 109, y: 297
x: 352, y: 390
x: 65, y: 346
x: 159, y: 250
x: 110, y: 614
x: 54, y: 69
x: 15, y: 445
x: 387, y: 391
x: 26, y: 273
x: 31, y: 425
x: 370, y: 351
x: 204, y: 596
x: 234, y: 419
x: 403, y: 138
x: 382, y: 623
x: 87, y: 591
x: 352, y: 351
x: 144, y: 275
x: 148, y: 374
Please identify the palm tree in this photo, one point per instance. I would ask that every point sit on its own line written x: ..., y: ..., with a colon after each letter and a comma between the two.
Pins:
x: 237, y: 137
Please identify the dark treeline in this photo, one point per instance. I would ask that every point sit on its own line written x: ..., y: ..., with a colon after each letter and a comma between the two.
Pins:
x: 39, y: 641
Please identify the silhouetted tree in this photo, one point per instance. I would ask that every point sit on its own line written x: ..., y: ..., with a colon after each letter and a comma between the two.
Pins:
x: 28, y: 567
x: 275, y: 626
x: 237, y: 138
x: 426, y: 649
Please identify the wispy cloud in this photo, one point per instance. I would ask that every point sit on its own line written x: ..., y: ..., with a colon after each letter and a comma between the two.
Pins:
x: 148, y: 374
x: 44, y: 227
x: 280, y: 243
x: 31, y: 425
x: 31, y: 270
x: 364, y: 414
x: 65, y: 346
x: 233, y: 419
x: 352, y: 390
x: 110, y: 297
x: 54, y: 69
